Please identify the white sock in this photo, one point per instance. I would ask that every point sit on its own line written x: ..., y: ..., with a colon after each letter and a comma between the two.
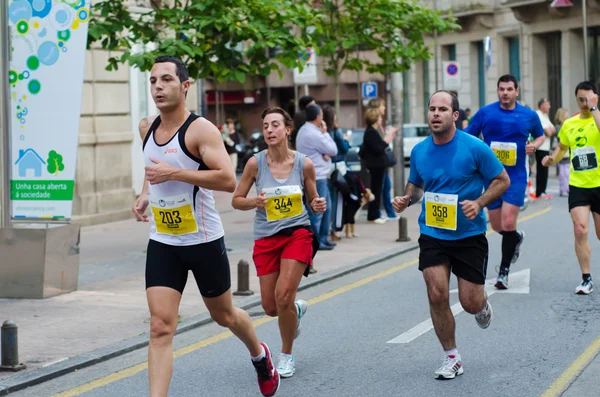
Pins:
x: 262, y: 355
x: 452, y: 353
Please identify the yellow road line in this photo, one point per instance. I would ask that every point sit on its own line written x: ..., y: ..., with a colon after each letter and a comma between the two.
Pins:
x: 128, y: 372
x: 563, y: 381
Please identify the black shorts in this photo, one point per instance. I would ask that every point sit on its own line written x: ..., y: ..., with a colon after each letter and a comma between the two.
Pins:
x: 168, y: 266
x: 468, y: 257
x: 582, y: 197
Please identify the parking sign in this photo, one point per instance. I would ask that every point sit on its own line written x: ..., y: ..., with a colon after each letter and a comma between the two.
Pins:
x: 369, y: 90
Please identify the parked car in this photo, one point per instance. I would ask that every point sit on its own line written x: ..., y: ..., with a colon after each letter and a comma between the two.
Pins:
x: 413, y: 134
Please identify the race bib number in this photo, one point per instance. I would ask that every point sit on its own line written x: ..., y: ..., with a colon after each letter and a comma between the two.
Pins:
x: 441, y: 210
x: 584, y: 159
x: 174, y: 216
x: 506, y: 152
x: 283, y: 202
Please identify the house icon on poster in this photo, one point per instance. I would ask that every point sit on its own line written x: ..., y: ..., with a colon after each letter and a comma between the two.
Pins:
x: 29, y: 160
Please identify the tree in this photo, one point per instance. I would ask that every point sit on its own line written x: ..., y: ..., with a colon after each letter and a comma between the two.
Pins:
x: 393, y: 29
x: 227, y: 40
x: 55, y: 162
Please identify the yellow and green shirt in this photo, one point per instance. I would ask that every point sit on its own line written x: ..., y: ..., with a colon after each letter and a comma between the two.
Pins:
x: 583, y: 138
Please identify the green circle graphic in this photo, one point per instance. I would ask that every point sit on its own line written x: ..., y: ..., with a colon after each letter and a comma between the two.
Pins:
x: 12, y: 77
x: 33, y: 63
x: 34, y: 86
x: 22, y: 27
x: 64, y: 35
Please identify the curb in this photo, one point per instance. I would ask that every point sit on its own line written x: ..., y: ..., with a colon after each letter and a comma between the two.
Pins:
x: 44, y: 374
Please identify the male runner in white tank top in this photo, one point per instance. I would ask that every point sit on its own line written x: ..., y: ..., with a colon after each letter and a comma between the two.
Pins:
x: 185, y: 161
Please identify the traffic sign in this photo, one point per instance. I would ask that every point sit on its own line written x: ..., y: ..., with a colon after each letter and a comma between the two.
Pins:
x: 452, y: 78
x: 369, y: 90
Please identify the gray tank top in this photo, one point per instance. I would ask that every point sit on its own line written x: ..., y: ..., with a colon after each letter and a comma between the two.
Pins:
x: 285, y: 200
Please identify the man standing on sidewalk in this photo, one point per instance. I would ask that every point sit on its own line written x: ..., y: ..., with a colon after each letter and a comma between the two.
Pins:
x: 450, y: 167
x: 185, y: 161
x: 581, y: 134
x: 315, y: 142
x: 541, y: 172
x: 506, y: 127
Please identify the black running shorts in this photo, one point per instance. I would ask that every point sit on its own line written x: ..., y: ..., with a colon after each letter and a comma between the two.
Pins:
x: 168, y: 266
x: 582, y: 197
x: 468, y: 257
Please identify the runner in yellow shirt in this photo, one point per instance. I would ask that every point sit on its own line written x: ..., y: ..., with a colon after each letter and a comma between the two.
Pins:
x: 581, y: 134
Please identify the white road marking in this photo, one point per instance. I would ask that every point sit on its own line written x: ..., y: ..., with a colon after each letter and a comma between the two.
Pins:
x: 519, y: 283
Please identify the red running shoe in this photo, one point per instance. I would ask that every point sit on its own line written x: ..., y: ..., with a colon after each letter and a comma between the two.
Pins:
x: 268, y: 377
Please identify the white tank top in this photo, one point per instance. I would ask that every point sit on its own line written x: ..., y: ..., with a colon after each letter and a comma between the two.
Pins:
x: 181, y: 213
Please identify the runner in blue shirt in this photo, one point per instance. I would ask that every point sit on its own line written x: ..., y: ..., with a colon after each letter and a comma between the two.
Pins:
x: 450, y: 167
x: 506, y: 126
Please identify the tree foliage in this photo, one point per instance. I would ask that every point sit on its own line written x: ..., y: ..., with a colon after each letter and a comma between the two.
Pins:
x: 223, y: 39
x: 393, y: 29
x: 54, y: 162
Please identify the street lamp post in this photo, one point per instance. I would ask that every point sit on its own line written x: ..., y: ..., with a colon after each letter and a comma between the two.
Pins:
x: 565, y: 4
x: 5, y: 163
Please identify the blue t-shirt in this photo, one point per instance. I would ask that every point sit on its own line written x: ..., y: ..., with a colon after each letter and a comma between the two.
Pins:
x: 457, y: 167
x: 512, y: 126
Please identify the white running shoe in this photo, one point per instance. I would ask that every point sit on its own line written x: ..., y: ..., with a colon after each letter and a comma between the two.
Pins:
x: 502, y: 281
x: 286, y: 366
x: 301, y: 308
x: 484, y: 317
x: 518, y: 246
x: 585, y: 288
x: 451, y: 368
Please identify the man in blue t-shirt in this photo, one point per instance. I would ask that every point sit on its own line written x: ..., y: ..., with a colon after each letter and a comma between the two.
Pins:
x: 450, y: 168
x: 506, y: 126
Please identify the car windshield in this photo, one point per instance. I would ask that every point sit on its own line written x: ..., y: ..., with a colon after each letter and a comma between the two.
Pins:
x: 414, y: 131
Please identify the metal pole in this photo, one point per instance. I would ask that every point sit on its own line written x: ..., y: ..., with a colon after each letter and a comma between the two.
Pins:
x: 201, y: 98
x: 358, y: 101
x: 306, y: 92
x: 585, y: 42
x: 435, y: 50
x: 397, y: 118
x: 5, y: 133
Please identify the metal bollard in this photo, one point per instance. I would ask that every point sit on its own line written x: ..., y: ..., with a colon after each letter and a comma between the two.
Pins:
x: 403, y: 230
x: 243, y: 279
x: 9, y: 344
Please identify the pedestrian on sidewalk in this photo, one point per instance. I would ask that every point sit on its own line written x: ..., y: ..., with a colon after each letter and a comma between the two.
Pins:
x: 541, y: 175
x: 386, y: 192
x: 336, y: 204
x: 450, y: 168
x: 564, y: 164
x: 284, y: 243
x: 581, y: 135
x: 315, y: 143
x: 506, y: 127
x: 185, y: 161
x: 373, y: 151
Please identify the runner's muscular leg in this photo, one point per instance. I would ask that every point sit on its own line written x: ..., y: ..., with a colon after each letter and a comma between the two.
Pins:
x: 163, y: 303
x: 472, y: 296
x: 237, y: 320
x: 495, y: 216
x: 596, y: 217
x: 290, y: 274
x: 581, y: 220
x: 510, y: 213
x: 438, y: 292
x: 268, y: 282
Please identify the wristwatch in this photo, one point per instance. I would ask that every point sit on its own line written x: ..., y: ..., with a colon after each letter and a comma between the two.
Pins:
x: 593, y: 108
x: 409, y: 202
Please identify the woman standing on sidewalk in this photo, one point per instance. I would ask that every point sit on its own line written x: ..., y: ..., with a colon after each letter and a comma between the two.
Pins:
x: 283, y: 240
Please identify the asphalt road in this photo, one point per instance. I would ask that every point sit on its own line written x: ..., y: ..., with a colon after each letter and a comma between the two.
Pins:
x: 534, y: 337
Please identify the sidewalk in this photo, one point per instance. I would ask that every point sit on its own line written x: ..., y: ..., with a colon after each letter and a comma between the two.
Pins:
x: 110, y: 305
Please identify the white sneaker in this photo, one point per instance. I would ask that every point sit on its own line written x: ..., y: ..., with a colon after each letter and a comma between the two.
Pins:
x: 379, y: 221
x: 286, y: 366
x: 585, y: 288
x: 484, y: 317
x: 451, y: 368
x: 301, y: 308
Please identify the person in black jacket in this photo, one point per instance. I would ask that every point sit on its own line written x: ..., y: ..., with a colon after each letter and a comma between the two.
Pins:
x: 373, y: 153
